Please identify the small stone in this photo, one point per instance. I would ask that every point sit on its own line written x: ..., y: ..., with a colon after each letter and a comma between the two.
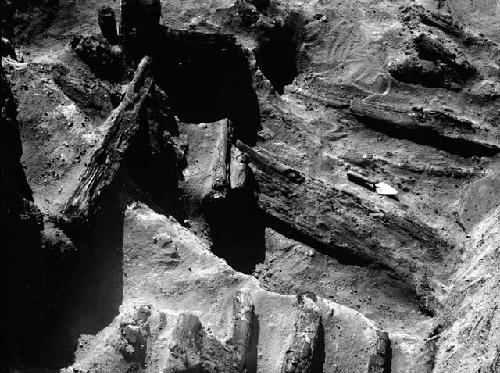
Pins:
x: 162, y: 239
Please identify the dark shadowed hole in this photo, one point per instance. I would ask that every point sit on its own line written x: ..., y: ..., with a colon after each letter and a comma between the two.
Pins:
x: 207, y: 78
x: 237, y: 232
x: 93, y: 292
x: 276, y: 53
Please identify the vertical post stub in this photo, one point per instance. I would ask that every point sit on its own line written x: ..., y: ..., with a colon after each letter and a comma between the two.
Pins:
x: 107, y: 23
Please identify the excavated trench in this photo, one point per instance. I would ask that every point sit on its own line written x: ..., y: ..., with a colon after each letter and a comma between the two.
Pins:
x: 206, y: 79
x: 298, y: 225
x: 189, y: 75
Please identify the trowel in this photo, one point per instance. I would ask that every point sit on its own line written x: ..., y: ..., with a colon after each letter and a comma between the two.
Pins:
x: 381, y: 188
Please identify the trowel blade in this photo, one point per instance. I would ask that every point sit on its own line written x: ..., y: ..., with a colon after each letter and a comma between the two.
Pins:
x: 385, y: 189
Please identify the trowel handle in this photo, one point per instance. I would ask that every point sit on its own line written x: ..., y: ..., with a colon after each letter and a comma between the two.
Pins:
x: 360, y: 180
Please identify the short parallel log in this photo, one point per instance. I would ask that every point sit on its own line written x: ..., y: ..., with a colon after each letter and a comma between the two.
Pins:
x: 300, y: 355
x: 457, y: 172
x: 192, y: 349
x: 186, y: 346
x: 238, y: 170
x: 380, y: 361
x: 244, y: 314
x: 220, y: 170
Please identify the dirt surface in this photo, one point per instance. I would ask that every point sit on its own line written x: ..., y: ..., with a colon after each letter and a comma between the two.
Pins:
x: 213, y: 206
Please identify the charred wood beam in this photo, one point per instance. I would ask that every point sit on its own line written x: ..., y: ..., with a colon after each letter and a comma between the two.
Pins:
x: 443, y: 22
x: 434, y: 50
x: 375, y: 162
x: 429, y: 127
x: 383, y: 114
x: 301, y: 352
x: 266, y: 161
x: 328, y: 102
x: 448, y: 25
x: 346, y: 227
x: 106, y: 163
x: 414, y: 70
x: 89, y: 95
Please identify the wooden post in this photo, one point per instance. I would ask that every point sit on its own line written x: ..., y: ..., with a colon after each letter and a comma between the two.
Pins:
x: 300, y: 354
x: 220, y: 170
x: 186, y: 346
x: 107, y: 23
x: 243, y: 309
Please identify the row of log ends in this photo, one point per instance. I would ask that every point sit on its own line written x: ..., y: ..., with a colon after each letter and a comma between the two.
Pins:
x: 194, y: 349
